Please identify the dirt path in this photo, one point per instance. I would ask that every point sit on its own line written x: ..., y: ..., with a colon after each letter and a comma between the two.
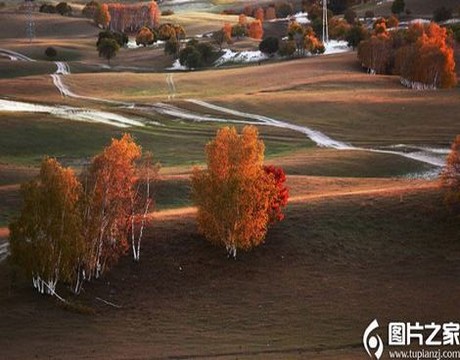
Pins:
x: 426, y: 155
x: 171, y: 86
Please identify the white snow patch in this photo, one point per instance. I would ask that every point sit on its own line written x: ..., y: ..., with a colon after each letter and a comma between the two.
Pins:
x: 301, y: 18
x: 71, y: 113
x: 319, y: 138
x: 62, y: 68
x: 13, y: 55
x: 243, y: 57
x: 176, y: 66
x: 451, y: 21
x: 420, y: 21
x: 421, y: 154
x: 132, y: 44
x: 176, y: 112
x: 336, y: 47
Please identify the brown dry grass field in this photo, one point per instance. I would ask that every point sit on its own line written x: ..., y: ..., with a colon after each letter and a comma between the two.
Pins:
x: 329, y: 93
x: 309, y: 292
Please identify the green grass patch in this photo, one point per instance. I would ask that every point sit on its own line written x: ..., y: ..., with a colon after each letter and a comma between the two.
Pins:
x: 26, y: 139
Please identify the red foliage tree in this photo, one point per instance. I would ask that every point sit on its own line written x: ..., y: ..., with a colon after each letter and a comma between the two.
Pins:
x: 256, y: 30
x: 280, y: 200
x: 259, y: 14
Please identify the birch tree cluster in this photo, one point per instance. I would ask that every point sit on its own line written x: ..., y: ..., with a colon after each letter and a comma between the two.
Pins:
x: 422, y: 54
x: 73, y: 229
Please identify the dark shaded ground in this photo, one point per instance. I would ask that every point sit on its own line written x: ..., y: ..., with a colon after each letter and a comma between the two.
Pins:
x: 322, y: 276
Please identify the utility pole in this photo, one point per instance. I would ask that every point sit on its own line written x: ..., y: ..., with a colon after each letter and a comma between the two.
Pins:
x: 325, y: 23
x: 30, y: 24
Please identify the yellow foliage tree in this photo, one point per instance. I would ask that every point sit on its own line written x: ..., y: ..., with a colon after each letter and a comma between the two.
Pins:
x: 46, y: 239
x: 234, y: 194
x: 256, y: 30
x: 145, y: 37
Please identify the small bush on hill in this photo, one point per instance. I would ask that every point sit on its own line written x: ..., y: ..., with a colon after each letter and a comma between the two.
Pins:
x: 121, y: 38
x: 47, y: 8
x: 64, y: 9
x: 287, y: 48
x: 269, y: 45
x: 145, y: 37
x: 196, y: 54
x: 51, y: 52
x: 90, y: 9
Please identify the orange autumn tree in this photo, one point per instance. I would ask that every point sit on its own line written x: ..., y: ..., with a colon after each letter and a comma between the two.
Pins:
x: 235, y: 195
x: 429, y: 61
x: 46, y: 239
x: 259, y: 14
x: 450, y: 176
x: 227, y: 29
x: 145, y: 37
x: 102, y: 16
x: 109, y: 185
x: 256, y: 30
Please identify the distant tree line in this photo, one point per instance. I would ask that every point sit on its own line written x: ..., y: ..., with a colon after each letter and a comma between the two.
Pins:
x: 422, y: 55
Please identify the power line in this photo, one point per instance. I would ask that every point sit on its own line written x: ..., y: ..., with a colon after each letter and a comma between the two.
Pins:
x: 325, y: 23
x: 30, y: 23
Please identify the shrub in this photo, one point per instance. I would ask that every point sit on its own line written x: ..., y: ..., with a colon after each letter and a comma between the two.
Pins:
x: 108, y: 48
x: 269, y: 45
x: 121, y: 38
x: 398, y: 6
x: 51, y: 52
x: 350, y: 16
x: 145, y: 37
x: 90, y: 9
x: 64, y: 9
x: 355, y: 35
x: 196, y: 54
x: 47, y: 8
x: 172, y: 46
x: 239, y: 31
x: 284, y: 10
x: 287, y: 48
